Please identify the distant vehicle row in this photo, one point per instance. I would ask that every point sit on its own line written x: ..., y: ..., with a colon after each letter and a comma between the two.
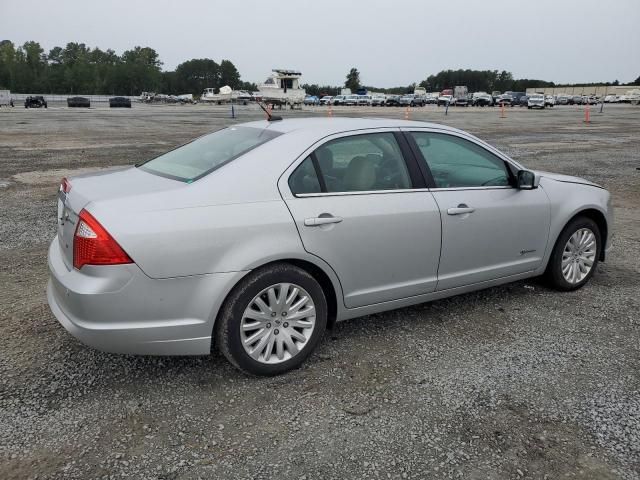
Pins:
x: 460, y: 97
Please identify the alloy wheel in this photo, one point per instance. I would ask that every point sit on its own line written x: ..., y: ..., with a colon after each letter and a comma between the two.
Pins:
x: 579, y: 255
x: 278, y: 323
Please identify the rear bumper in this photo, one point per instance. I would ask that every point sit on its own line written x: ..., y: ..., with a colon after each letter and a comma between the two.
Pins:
x: 119, y: 309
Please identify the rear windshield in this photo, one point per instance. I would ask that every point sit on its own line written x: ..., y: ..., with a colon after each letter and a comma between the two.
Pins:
x: 205, y: 154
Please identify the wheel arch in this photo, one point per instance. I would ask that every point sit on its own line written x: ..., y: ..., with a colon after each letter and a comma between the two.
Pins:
x: 595, y: 215
x: 328, y: 282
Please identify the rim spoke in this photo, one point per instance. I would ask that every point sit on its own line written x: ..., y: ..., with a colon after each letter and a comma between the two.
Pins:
x: 255, y: 337
x: 301, y: 323
x: 293, y: 349
x: 249, y: 327
x: 255, y: 353
x: 269, y: 348
x: 296, y: 335
x: 307, y: 312
x: 264, y: 308
x: 273, y: 301
x: 292, y: 296
x: 258, y: 316
x: 279, y: 348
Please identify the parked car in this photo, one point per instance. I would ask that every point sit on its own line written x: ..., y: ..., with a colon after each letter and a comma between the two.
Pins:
x: 536, y: 100
x: 549, y: 101
x: 351, y: 100
x: 134, y: 268
x: 311, y: 100
x: 563, y: 99
x: 339, y: 100
x: 576, y: 100
x: 516, y: 97
x: 78, y: 102
x: 120, y: 102
x: 411, y: 100
x: 326, y: 100
x: 392, y: 101
x: 378, y: 100
x: 5, y: 98
x: 444, y: 100
x: 524, y: 101
x: 611, y: 98
x: 482, y: 99
x: 36, y: 101
x: 431, y: 99
x: 364, y: 100
x: 505, y: 99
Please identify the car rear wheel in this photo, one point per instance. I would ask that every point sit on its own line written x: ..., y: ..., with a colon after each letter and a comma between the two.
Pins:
x: 575, y: 255
x: 272, y: 321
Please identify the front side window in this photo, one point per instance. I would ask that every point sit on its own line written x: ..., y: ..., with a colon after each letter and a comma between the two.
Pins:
x: 456, y: 162
x: 205, y: 154
x: 363, y: 162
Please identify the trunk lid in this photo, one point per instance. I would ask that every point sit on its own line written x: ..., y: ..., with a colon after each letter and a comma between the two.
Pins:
x: 93, y: 187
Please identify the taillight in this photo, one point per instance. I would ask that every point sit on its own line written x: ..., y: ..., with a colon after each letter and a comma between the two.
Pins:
x: 92, y: 244
x: 65, y: 185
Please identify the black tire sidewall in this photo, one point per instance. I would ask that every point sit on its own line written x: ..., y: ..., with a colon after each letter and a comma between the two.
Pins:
x: 554, y: 269
x: 228, y: 335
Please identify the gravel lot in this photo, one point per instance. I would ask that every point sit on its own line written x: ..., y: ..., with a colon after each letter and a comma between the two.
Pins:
x: 511, y: 382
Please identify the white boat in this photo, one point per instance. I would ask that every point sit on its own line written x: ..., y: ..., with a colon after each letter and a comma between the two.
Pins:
x: 223, y: 95
x: 282, y: 87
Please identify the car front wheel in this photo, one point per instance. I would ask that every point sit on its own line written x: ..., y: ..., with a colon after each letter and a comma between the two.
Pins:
x: 272, y: 321
x: 575, y: 255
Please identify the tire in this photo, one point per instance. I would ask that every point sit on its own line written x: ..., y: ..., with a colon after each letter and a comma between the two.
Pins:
x: 228, y: 330
x: 554, y: 276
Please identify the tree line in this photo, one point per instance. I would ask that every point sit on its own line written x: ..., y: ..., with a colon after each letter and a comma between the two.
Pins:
x: 78, y: 69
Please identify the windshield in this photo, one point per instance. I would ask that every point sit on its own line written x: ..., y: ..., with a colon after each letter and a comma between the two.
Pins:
x: 207, y: 153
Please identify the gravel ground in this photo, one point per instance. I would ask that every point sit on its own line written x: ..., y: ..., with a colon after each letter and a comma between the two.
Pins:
x: 511, y: 382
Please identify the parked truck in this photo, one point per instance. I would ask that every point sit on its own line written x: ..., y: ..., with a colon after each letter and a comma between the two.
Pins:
x: 5, y: 98
x: 461, y: 96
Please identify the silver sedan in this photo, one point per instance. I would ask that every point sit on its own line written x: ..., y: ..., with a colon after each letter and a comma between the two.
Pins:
x: 256, y: 238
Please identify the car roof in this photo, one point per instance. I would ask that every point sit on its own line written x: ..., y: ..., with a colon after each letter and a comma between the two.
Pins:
x: 327, y: 126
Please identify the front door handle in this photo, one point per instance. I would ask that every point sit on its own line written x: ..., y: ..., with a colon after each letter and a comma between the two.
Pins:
x: 322, y: 220
x: 461, y: 210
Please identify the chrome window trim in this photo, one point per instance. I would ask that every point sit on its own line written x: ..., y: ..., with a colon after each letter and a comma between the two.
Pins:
x: 399, y: 190
x: 284, y: 177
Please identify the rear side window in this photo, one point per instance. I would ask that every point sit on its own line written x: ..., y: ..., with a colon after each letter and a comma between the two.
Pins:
x: 205, y: 154
x: 456, y: 162
x: 372, y: 161
x: 355, y: 163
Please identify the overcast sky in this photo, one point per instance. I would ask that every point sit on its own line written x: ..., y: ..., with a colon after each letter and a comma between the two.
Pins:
x: 391, y: 42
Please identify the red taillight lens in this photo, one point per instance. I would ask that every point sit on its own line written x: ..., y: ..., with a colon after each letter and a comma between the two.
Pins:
x: 65, y: 185
x: 92, y: 244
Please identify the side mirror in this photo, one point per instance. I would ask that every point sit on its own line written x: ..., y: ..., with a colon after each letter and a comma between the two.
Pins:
x: 527, y: 180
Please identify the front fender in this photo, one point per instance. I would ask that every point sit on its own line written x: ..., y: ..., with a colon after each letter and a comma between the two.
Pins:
x: 568, y: 200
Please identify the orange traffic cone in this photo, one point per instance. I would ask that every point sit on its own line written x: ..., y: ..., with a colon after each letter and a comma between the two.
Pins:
x: 502, y: 115
x: 406, y: 114
x: 587, y: 113
x: 330, y: 112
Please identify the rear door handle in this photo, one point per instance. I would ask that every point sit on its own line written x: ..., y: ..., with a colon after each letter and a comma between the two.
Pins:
x: 461, y: 209
x: 317, y: 221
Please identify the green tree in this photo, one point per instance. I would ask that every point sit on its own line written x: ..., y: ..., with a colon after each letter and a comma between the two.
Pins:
x: 353, y: 80
x: 195, y: 75
x: 229, y: 75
